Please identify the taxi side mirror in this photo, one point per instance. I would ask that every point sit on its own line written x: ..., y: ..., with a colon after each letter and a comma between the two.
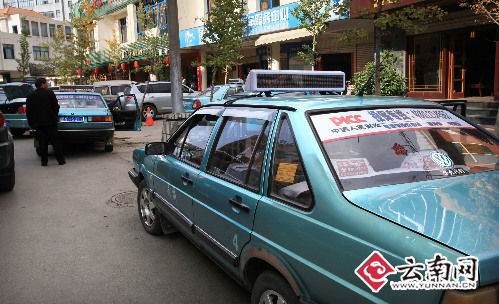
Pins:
x: 156, y: 148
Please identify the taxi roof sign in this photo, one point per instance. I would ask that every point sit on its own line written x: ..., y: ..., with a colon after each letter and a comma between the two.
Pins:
x: 295, y: 80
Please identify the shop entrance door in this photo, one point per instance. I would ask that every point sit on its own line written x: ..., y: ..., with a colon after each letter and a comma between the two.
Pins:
x: 457, y: 70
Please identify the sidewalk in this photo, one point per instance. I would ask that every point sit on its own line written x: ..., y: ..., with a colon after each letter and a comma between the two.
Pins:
x: 126, y: 141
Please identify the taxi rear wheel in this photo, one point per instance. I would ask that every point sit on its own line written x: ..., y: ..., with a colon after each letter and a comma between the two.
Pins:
x: 271, y: 288
x: 153, y: 111
x: 148, y: 213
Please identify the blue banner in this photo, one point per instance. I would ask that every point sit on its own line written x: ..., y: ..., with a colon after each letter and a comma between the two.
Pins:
x: 271, y: 20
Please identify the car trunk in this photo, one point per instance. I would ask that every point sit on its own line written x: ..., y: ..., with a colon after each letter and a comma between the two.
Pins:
x: 16, y: 97
x: 447, y: 210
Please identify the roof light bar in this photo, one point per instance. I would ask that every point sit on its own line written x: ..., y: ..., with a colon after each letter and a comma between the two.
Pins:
x: 294, y: 80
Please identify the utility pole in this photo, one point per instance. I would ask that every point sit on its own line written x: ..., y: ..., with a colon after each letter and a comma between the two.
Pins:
x: 174, y: 50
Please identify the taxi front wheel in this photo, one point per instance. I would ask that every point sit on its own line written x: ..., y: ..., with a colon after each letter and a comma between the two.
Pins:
x: 271, y: 288
x: 148, y: 213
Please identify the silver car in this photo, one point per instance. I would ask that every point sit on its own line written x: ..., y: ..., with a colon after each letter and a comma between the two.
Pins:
x: 158, y: 97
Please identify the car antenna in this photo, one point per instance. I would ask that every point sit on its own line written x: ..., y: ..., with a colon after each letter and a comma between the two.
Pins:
x: 361, y: 92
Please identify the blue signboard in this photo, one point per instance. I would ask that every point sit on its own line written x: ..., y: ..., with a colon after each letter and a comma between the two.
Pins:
x: 271, y: 20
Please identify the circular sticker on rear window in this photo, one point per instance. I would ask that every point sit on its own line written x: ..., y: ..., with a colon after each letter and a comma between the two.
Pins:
x: 441, y: 159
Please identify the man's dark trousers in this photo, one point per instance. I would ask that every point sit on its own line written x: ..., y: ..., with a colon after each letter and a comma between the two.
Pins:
x: 48, y: 134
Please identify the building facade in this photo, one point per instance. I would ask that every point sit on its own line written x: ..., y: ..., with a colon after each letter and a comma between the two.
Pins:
x: 57, y: 9
x: 454, y: 58
x: 40, y: 28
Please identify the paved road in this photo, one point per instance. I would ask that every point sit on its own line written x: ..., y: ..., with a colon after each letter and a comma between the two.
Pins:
x: 62, y: 240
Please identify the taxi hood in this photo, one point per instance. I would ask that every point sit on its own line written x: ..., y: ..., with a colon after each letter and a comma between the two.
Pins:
x: 17, y: 90
x: 461, y: 212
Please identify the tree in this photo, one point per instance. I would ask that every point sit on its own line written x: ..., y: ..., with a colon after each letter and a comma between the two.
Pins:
x: 175, y: 73
x: 24, y: 54
x: 114, y: 50
x: 312, y: 15
x: 487, y: 8
x: 223, y: 34
x: 392, y: 84
x: 62, y: 59
x: 84, y: 23
x: 388, y: 16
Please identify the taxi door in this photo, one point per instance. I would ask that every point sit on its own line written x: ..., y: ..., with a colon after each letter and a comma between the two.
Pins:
x: 230, y: 189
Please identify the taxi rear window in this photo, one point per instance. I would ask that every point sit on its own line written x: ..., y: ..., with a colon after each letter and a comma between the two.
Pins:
x: 80, y: 101
x: 370, y: 148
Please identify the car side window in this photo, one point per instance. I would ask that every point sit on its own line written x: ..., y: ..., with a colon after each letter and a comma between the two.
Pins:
x: 191, y: 143
x: 288, y: 181
x: 239, y: 151
x: 161, y: 88
x: 142, y: 88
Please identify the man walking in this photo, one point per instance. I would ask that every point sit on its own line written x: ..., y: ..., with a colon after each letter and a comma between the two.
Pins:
x: 42, y: 111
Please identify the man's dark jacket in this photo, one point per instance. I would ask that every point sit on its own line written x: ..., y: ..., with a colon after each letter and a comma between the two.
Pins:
x: 42, y: 108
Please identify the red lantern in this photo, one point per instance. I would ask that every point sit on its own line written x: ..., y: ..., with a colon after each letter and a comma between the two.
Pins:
x: 123, y: 66
x: 109, y: 69
x: 89, y: 62
x: 136, y: 64
x: 167, y: 60
x: 96, y: 70
x: 79, y: 72
x: 85, y: 62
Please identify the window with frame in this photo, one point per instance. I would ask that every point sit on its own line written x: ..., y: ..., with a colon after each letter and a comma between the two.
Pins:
x: 123, y: 30
x: 40, y: 52
x: 266, y: 4
x: 25, y: 26
x: 425, y: 63
x: 34, y: 28
x: 58, y: 14
x: 288, y: 181
x: 8, y: 51
x: 239, y: 151
x: 51, y: 30
x: 190, y: 145
x: 44, y: 30
x: 14, y: 29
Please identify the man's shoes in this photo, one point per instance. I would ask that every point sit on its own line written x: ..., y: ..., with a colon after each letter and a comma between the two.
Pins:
x: 62, y: 162
x: 44, y: 164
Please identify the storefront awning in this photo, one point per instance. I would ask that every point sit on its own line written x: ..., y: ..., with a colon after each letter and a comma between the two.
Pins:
x: 282, y: 36
x: 98, y: 58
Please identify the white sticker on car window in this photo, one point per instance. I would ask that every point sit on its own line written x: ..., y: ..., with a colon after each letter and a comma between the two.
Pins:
x: 335, y: 126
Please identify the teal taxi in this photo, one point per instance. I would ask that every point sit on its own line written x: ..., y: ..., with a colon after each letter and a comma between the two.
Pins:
x: 220, y: 92
x: 322, y: 198
x: 85, y: 118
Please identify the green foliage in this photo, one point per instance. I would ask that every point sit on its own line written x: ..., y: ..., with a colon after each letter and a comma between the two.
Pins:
x: 83, y: 39
x: 62, y: 60
x: 114, y: 49
x: 391, y: 84
x: 223, y: 34
x: 24, y: 55
x: 312, y: 15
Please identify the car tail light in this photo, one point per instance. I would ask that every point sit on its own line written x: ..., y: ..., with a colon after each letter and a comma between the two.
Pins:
x: 2, y: 121
x: 21, y: 109
x: 100, y: 118
x: 196, y: 104
x: 129, y: 97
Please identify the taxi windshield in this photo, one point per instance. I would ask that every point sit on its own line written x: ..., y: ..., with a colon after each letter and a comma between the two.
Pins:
x: 80, y: 101
x: 370, y: 148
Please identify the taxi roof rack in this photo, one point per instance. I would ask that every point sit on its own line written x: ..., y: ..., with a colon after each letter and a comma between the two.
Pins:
x: 295, y: 81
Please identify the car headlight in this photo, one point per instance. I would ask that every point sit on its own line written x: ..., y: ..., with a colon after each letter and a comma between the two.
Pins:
x: 484, y: 295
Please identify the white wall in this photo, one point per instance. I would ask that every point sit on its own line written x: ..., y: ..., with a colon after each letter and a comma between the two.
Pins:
x: 190, y: 13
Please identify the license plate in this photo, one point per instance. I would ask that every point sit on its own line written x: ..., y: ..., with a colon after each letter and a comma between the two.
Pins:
x: 71, y: 119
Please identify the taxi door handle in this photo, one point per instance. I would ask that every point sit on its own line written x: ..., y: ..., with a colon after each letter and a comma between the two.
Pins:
x: 239, y: 205
x: 186, y: 180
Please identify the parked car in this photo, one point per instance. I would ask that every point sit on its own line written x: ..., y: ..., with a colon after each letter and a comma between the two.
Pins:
x: 157, y: 99
x: 124, y: 118
x: 7, y: 173
x: 3, y: 97
x: 219, y: 92
x: 84, y: 117
x: 325, y: 199
x: 14, y: 107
